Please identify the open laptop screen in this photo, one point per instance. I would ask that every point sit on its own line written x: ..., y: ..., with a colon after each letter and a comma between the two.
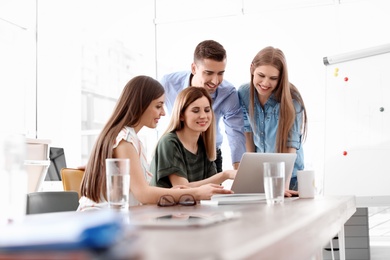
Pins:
x: 249, y: 177
x: 57, y: 162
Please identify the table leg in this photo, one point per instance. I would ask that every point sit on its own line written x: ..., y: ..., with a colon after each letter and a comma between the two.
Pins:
x: 342, y: 243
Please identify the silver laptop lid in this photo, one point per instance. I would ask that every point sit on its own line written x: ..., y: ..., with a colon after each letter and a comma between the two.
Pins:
x: 249, y: 178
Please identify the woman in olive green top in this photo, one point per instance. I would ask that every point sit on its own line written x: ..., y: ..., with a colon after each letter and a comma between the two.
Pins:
x: 185, y: 153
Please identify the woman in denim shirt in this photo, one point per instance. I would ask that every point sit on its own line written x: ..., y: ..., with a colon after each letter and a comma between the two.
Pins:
x: 274, y: 112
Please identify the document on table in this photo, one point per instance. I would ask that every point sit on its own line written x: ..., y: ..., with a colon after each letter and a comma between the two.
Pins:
x: 65, y: 230
x: 241, y: 198
x: 179, y: 219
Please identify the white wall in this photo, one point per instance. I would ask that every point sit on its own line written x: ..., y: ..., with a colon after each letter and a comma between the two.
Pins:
x: 58, y: 73
x: 65, y: 28
x: 17, y: 67
x: 306, y: 31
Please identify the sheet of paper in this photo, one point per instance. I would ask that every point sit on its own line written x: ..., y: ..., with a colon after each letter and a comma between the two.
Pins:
x: 183, y: 218
x: 241, y: 198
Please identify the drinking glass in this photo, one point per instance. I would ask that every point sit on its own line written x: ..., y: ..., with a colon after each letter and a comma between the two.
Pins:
x: 13, y: 177
x: 118, y: 183
x: 274, y: 182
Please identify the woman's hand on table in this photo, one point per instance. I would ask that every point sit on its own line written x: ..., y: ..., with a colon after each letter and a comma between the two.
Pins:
x: 291, y: 193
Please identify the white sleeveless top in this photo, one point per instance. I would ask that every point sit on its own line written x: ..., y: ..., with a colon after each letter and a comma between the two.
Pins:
x: 129, y: 135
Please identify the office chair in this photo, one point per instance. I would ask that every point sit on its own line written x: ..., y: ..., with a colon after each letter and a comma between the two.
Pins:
x: 71, y: 179
x: 51, y: 201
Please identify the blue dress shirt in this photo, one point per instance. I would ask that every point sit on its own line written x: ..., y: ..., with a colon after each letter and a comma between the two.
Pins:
x: 266, y: 126
x: 226, y: 105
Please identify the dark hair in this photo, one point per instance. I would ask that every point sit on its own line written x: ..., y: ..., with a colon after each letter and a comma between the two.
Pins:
x: 209, y: 49
x: 137, y: 95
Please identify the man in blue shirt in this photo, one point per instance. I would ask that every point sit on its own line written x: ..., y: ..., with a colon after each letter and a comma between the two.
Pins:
x: 207, y: 70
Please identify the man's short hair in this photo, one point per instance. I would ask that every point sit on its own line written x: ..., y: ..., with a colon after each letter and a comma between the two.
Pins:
x: 209, y: 49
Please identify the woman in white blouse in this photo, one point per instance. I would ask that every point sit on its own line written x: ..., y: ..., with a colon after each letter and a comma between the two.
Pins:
x: 140, y: 104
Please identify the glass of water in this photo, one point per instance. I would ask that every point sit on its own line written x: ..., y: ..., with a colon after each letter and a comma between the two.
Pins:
x: 274, y: 182
x: 118, y: 182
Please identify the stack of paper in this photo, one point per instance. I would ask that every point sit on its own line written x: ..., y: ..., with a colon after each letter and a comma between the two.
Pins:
x: 241, y: 198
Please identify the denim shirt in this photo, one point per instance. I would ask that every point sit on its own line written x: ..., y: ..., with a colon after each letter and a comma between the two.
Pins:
x: 226, y: 106
x: 266, y: 125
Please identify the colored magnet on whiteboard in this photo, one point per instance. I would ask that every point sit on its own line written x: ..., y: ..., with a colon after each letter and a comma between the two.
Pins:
x: 346, y: 79
x: 336, y: 72
x: 345, y: 153
x: 382, y: 109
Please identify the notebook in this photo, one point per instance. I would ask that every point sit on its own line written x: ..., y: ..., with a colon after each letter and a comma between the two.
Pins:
x: 249, y: 177
x: 62, y: 231
x: 236, y: 198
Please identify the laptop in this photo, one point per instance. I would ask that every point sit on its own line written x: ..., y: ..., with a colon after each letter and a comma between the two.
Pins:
x: 249, y: 177
x: 57, y: 162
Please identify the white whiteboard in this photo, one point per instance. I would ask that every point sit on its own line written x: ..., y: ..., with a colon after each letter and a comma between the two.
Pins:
x: 357, y: 122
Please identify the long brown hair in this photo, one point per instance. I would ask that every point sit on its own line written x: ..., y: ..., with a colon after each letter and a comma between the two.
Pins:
x: 135, y: 98
x: 284, y: 93
x: 183, y: 100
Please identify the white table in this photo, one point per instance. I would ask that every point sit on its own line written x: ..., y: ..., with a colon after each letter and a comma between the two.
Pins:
x: 298, y: 229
